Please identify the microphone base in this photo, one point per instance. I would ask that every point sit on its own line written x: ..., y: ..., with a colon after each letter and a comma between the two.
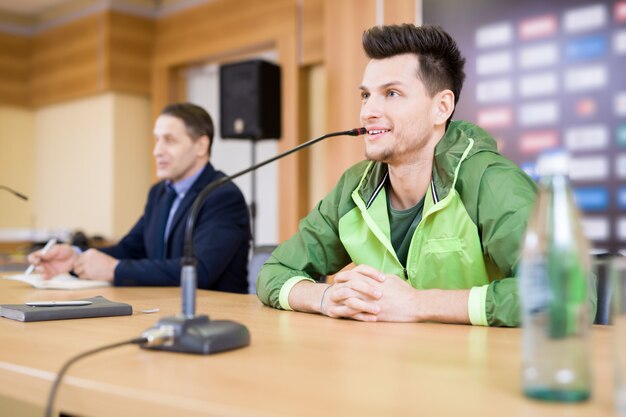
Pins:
x: 201, y: 335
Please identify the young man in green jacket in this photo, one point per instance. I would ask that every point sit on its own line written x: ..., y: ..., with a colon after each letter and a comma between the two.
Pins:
x: 433, y: 220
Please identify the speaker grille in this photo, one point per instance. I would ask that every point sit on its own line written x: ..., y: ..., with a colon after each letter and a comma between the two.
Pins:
x: 250, y: 102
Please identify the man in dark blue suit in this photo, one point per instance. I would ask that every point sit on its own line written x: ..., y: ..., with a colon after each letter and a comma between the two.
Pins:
x: 150, y: 254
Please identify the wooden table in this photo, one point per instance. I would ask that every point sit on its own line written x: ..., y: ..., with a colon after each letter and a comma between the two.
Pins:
x: 297, y: 365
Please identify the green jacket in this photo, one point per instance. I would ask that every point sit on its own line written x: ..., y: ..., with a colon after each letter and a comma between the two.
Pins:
x: 497, y: 195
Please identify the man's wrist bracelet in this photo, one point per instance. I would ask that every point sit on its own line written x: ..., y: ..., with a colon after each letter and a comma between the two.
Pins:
x: 322, y: 301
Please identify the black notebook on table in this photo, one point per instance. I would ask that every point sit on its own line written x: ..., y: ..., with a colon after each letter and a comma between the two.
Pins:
x: 99, y: 307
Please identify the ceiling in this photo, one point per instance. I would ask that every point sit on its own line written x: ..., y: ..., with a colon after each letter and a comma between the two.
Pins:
x: 30, y: 7
x: 25, y: 17
x: 34, y: 8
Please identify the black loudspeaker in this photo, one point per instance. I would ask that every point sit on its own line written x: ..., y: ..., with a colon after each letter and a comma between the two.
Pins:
x: 250, y: 100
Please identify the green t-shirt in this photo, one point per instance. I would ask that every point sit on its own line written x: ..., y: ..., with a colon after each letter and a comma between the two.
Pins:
x: 402, y: 224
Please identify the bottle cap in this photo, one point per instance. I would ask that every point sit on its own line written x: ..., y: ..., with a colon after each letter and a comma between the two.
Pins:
x: 553, y: 162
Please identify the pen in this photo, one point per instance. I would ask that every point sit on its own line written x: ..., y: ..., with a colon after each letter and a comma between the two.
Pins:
x: 57, y: 303
x: 45, y: 250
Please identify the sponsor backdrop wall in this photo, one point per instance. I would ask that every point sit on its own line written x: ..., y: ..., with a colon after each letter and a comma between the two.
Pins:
x: 551, y: 74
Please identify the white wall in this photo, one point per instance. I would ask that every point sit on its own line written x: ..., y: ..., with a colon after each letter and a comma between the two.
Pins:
x: 74, y: 169
x: 85, y: 164
x: 132, y: 160
x: 17, y: 145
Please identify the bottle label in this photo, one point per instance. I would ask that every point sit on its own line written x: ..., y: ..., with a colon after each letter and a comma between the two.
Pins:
x: 534, y: 285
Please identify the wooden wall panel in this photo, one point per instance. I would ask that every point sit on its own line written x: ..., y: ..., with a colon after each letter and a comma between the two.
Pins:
x: 399, y: 11
x: 69, y: 61
x: 227, y: 29
x: 345, y: 61
x: 221, y: 27
x: 15, y: 52
x: 59, y: 86
x: 312, y: 32
x: 293, y: 171
x: 101, y: 52
x: 130, y: 44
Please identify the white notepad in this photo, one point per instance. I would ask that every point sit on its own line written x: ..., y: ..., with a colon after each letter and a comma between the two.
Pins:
x: 59, y: 282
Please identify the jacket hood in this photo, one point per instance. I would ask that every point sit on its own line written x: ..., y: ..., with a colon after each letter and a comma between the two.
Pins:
x: 450, y: 148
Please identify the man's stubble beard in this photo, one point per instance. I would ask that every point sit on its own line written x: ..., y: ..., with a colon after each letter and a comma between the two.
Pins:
x: 385, y: 156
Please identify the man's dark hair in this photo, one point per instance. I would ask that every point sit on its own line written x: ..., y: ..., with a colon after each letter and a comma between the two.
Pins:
x: 197, y: 121
x: 440, y: 61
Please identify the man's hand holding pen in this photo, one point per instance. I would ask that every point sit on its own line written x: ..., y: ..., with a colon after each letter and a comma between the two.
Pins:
x: 58, y: 259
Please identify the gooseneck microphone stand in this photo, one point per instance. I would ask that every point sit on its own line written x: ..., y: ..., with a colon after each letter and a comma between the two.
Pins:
x: 191, y: 333
x: 15, y: 193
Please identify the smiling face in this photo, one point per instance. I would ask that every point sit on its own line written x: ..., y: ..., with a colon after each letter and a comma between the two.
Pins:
x: 177, y: 155
x: 402, y: 120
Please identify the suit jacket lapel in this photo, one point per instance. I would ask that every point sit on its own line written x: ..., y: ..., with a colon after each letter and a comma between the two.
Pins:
x: 152, y: 229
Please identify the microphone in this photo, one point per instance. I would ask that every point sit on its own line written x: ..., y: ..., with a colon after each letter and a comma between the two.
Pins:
x: 15, y: 193
x: 187, y: 332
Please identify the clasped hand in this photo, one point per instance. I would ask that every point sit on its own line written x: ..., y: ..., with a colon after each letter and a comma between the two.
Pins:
x: 366, y: 294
